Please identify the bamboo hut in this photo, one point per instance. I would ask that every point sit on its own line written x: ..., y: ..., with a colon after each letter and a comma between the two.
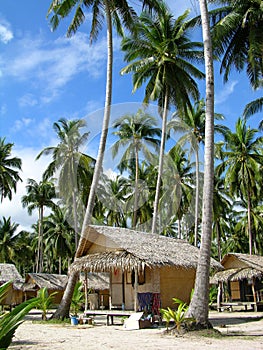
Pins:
x: 8, y: 272
x: 243, y: 279
x: 53, y: 283
x: 146, y: 270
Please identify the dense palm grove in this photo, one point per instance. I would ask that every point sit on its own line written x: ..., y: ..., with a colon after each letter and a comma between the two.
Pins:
x: 159, y: 184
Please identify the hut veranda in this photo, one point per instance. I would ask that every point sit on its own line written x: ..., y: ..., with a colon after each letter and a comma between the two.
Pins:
x: 146, y: 271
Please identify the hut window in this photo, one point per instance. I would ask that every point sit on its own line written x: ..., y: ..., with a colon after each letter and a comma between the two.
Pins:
x: 141, y: 277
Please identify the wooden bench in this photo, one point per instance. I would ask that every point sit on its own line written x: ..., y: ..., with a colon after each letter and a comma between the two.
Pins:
x: 110, y: 314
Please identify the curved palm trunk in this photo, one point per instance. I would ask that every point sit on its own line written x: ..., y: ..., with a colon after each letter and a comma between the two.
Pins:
x: 199, y: 304
x: 160, y: 168
x: 218, y: 235
x: 196, y: 195
x: 63, y: 309
x: 74, y: 200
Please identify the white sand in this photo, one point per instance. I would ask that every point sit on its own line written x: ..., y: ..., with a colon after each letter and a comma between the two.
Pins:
x: 235, y: 325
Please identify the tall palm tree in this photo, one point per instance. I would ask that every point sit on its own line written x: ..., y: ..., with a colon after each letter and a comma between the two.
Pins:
x: 139, y: 134
x: 160, y: 54
x: 7, y: 240
x: 198, y: 307
x: 112, y: 194
x: 70, y: 162
x: 177, y: 187
x: 9, y: 175
x: 57, y: 234
x: 237, y: 35
x: 191, y: 122
x: 39, y: 195
x: 118, y: 12
x: 241, y: 166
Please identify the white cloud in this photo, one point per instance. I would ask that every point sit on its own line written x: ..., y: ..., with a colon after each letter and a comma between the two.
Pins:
x: 49, y: 66
x: 5, y: 33
x: 27, y: 100
x: 225, y: 92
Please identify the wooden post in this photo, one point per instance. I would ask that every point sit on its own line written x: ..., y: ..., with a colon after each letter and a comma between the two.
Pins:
x: 135, y: 289
x: 253, y: 290
x: 110, y: 291
x: 86, y: 290
x: 219, y: 295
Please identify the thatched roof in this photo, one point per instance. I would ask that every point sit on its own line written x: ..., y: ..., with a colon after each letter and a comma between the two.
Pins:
x: 8, y: 272
x: 253, y: 267
x: 127, y: 249
x: 235, y: 275
x: 41, y: 280
x: 97, y: 281
x: 253, y: 261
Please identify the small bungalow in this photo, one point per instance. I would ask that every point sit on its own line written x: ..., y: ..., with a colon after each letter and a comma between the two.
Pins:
x: 53, y: 283
x: 243, y: 279
x: 8, y: 272
x: 146, y: 270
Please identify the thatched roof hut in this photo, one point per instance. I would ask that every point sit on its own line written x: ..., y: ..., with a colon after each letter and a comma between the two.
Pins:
x: 238, y: 267
x: 243, y: 276
x: 8, y: 272
x: 140, y: 264
x: 129, y: 249
x: 53, y: 283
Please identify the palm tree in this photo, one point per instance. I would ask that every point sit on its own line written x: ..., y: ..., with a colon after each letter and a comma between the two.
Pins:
x: 254, y: 107
x: 237, y: 35
x: 198, y: 307
x: 57, y: 234
x: 241, y: 166
x: 118, y: 11
x: 112, y: 194
x: 191, y: 122
x: 138, y: 134
x: 70, y: 162
x: 7, y: 240
x: 221, y: 207
x: 177, y: 187
x: 39, y: 195
x: 161, y: 55
x: 8, y: 170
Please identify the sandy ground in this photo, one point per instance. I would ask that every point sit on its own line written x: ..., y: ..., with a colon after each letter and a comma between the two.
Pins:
x: 241, y: 329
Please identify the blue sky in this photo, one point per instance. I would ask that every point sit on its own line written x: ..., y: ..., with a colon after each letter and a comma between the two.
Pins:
x: 45, y: 76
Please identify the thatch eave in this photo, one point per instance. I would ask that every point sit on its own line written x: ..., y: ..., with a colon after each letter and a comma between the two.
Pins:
x: 235, y: 274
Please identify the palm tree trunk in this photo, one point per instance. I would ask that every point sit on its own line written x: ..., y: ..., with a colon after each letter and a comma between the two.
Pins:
x: 40, y: 241
x: 134, y: 219
x: 196, y: 195
x: 249, y: 224
x: 199, y: 304
x: 218, y: 235
x: 63, y: 309
x: 160, y: 168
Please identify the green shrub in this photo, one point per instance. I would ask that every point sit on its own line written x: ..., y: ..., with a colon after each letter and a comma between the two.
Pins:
x: 45, y: 301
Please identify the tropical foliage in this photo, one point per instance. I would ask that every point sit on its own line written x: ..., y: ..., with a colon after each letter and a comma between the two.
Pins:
x: 10, y: 321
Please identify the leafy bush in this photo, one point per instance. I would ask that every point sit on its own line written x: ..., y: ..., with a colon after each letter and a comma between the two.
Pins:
x: 178, y: 315
x: 10, y: 321
x: 77, y: 299
x: 45, y: 301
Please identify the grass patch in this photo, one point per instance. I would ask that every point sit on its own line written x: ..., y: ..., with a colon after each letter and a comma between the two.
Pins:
x: 53, y: 321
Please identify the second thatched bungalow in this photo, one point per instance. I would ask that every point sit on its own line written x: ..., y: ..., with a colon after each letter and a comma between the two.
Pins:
x: 146, y: 270
x: 53, y: 283
x: 243, y: 279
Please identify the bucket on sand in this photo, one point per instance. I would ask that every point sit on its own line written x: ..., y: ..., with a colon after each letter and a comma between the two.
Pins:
x: 74, y: 320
